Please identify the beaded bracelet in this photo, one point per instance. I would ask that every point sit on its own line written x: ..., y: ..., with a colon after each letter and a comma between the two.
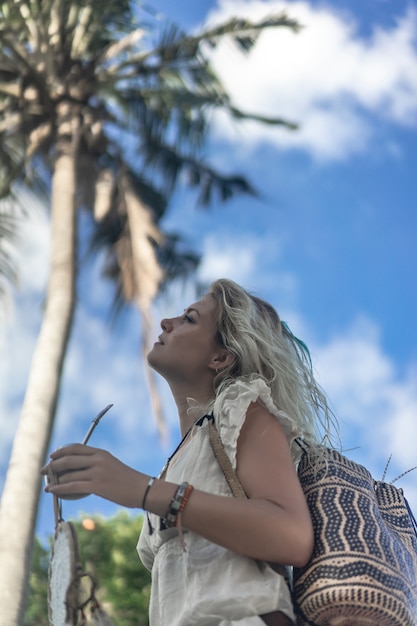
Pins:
x: 178, y: 522
x: 148, y: 486
x: 177, y: 504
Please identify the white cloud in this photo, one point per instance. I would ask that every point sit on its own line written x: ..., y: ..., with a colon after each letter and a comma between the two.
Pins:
x: 34, y: 258
x: 354, y: 369
x: 21, y: 321
x: 17, y: 340
x: 376, y: 404
x: 329, y: 77
x: 234, y: 260
x: 250, y: 261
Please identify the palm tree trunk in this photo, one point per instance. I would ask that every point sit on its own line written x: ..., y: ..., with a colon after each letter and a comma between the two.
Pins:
x: 19, y: 503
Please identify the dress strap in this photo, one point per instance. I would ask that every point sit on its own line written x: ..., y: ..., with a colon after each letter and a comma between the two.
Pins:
x: 209, y: 417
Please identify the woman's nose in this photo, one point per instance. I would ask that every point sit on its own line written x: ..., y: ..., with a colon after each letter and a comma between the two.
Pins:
x: 166, y: 325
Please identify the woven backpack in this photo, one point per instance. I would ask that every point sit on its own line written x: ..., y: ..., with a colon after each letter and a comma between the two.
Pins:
x: 363, y: 570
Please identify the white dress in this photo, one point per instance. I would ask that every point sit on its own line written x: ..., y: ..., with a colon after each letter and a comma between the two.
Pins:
x: 208, y: 585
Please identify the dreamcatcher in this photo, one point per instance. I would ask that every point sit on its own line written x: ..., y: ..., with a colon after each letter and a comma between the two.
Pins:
x: 71, y: 590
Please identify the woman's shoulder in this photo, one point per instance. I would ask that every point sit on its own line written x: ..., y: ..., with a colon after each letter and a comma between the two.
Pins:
x: 231, y: 406
x: 243, y: 391
x: 234, y: 400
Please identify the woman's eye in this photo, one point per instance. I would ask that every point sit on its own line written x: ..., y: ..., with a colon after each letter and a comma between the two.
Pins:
x: 187, y: 318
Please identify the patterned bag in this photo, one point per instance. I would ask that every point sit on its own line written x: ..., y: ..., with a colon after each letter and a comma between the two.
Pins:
x: 363, y: 570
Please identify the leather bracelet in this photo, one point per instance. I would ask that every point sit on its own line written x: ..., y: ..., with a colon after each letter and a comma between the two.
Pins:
x: 175, y: 505
x: 148, y: 486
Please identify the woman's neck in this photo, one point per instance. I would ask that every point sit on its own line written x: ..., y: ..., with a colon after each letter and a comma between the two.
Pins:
x: 190, y: 412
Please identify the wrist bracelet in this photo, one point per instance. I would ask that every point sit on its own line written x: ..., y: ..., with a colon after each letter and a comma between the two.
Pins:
x: 148, y: 486
x: 176, y: 504
x: 178, y: 521
x: 184, y: 501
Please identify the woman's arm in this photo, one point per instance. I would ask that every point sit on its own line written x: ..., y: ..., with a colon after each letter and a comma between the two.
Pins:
x: 273, y: 524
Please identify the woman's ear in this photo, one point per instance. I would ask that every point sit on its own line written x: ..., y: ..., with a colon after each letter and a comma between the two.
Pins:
x: 221, y: 360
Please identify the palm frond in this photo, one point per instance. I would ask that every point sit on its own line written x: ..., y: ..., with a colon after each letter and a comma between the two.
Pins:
x: 114, y: 49
x: 199, y: 175
x: 178, y: 260
x: 142, y: 112
x: 175, y: 46
x: 11, y: 164
x: 9, y: 221
x: 245, y: 32
x: 263, y: 119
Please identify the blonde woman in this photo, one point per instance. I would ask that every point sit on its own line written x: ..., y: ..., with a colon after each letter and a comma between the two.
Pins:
x: 229, y: 359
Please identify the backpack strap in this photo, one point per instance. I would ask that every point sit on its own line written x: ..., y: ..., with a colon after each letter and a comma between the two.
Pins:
x: 234, y: 483
x: 224, y: 462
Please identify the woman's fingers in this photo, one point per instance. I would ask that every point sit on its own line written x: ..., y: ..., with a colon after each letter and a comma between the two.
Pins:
x: 69, y: 488
x: 70, y: 457
x: 71, y: 463
x: 68, y: 479
x: 73, y: 449
x: 69, y: 473
x: 83, y: 470
x: 72, y: 476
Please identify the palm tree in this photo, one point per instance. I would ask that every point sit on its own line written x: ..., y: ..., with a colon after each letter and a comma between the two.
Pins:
x: 92, y: 110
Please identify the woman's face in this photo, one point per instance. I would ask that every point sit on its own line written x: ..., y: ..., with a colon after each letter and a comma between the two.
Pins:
x: 186, y: 348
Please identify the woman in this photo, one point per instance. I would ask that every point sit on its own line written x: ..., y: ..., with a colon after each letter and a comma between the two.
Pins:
x: 227, y: 358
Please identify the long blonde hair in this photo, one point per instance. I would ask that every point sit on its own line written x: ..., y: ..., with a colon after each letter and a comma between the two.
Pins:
x: 264, y: 347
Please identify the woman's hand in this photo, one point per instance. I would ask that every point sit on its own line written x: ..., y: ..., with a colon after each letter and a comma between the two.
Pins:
x: 273, y: 524
x: 80, y: 470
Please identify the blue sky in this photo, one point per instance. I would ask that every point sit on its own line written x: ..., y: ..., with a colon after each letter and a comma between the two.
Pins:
x: 331, y: 241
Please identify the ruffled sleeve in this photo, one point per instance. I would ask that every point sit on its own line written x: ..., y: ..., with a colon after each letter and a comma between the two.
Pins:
x: 230, y: 412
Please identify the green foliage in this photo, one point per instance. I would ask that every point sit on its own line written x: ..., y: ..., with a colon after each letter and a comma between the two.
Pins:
x: 108, y: 551
x: 37, y: 610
